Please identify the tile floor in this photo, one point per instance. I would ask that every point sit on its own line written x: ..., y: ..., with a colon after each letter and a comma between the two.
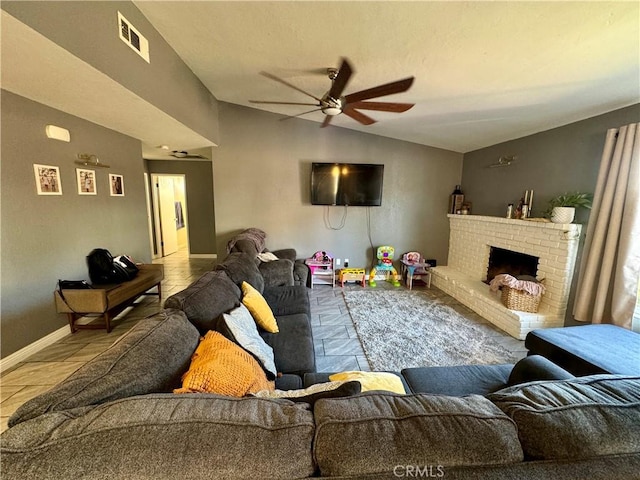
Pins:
x: 336, y: 343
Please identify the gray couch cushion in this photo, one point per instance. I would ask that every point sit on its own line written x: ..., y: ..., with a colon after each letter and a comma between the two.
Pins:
x: 205, y: 299
x: 376, y: 432
x: 277, y: 273
x: 293, y: 346
x: 458, y: 380
x: 191, y: 436
x: 287, y: 300
x: 151, y: 357
x: 578, y: 418
x: 240, y: 267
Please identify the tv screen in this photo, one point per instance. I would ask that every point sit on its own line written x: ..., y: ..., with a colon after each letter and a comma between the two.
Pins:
x: 353, y: 184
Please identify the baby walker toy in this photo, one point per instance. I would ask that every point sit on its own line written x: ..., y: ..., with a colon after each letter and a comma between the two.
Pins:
x: 385, y: 263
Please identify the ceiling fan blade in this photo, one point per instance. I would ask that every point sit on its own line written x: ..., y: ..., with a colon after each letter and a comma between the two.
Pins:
x: 327, y: 121
x: 340, y: 82
x: 284, y: 82
x: 358, y: 116
x: 300, y: 114
x: 283, y: 103
x: 381, y: 106
x: 380, y: 90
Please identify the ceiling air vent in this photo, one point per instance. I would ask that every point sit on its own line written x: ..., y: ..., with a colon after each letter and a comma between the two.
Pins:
x: 132, y: 37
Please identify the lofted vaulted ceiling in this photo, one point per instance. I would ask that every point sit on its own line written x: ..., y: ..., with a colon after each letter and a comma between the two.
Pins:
x: 485, y: 72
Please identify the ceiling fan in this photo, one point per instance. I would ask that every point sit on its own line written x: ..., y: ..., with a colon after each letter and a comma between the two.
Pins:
x: 333, y: 103
x: 185, y: 154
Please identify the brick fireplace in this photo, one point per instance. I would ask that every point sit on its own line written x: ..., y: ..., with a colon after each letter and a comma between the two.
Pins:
x: 470, y: 242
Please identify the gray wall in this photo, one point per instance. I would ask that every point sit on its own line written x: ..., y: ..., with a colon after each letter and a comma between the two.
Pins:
x: 551, y: 162
x: 200, y: 211
x: 262, y: 176
x: 89, y: 30
x: 46, y: 238
x: 564, y: 159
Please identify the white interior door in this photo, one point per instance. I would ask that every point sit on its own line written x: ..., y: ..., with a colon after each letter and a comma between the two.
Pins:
x: 167, y: 203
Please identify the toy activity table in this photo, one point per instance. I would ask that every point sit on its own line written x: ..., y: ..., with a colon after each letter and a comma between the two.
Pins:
x: 351, y: 275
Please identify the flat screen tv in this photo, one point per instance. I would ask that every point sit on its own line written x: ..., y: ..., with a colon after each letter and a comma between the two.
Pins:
x: 352, y: 184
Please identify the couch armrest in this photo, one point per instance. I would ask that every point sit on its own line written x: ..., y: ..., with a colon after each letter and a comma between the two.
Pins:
x: 536, y: 367
x: 277, y: 273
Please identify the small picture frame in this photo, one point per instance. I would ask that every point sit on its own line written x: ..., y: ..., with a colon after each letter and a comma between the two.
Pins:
x: 47, y: 179
x: 86, y: 181
x: 116, y: 185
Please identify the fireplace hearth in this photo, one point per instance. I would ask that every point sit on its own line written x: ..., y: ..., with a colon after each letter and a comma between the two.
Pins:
x: 549, y: 251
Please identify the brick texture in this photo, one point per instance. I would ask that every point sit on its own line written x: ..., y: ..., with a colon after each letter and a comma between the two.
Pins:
x: 471, y: 238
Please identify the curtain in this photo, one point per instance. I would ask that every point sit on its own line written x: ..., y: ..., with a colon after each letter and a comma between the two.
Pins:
x: 607, y: 286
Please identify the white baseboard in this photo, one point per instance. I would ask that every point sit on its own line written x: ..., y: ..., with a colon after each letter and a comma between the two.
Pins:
x: 33, y: 348
x: 203, y: 255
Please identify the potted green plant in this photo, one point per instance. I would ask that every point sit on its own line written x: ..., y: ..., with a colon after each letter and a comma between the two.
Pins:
x: 562, y: 209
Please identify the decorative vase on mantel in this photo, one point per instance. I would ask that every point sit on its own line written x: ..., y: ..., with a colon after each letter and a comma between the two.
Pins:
x: 562, y: 209
x: 563, y: 214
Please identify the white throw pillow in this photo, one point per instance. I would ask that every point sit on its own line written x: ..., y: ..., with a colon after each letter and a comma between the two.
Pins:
x: 244, y: 329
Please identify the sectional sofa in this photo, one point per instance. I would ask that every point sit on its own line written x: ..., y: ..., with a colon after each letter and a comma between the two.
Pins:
x: 117, y: 417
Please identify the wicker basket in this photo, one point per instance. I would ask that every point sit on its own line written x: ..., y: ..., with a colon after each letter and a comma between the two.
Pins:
x: 520, y: 300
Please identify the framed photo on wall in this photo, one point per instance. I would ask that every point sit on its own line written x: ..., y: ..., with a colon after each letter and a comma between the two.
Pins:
x: 86, y: 181
x: 116, y: 185
x: 47, y: 179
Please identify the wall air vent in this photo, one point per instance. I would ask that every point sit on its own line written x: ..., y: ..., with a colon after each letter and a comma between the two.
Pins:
x: 132, y: 37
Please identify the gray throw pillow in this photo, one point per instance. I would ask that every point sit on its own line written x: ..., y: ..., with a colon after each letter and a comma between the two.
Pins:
x: 244, y: 330
x: 150, y: 358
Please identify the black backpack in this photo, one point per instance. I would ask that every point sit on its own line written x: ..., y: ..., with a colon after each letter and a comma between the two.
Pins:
x: 103, y: 269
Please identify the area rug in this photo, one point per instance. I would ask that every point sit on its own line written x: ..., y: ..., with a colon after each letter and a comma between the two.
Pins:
x: 400, y: 329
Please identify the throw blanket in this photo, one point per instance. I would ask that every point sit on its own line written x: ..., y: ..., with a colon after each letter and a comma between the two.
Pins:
x: 534, y: 288
x: 255, y: 235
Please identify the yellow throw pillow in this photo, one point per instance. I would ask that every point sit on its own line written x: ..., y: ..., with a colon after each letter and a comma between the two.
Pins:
x: 259, y: 308
x: 372, y: 380
x: 220, y: 366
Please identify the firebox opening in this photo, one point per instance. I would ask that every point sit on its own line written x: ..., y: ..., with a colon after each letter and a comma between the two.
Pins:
x: 513, y: 263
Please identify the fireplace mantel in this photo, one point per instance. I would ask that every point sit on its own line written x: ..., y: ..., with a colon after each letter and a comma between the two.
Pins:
x: 531, y: 222
x: 472, y: 236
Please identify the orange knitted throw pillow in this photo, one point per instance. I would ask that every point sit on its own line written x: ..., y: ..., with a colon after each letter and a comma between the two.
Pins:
x: 220, y: 366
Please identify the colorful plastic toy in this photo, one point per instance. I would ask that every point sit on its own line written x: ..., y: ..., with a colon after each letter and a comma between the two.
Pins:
x: 385, y: 263
x: 352, y: 275
x: 414, y: 267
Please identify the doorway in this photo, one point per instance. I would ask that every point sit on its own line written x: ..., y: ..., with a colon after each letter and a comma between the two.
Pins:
x: 170, y: 227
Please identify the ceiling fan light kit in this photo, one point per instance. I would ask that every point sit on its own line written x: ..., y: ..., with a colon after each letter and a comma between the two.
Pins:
x: 185, y: 154
x: 333, y: 103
